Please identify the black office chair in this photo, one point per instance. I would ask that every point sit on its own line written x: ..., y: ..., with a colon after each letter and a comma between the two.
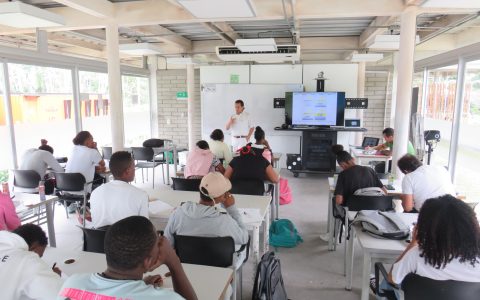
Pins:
x: 248, y: 187
x: 211, y: 251
x: 183, y: 184
x: 93, y: 239
x: 144, y: 158
x: 65, y: 184
x: 153, y: 143
x: 27, y: 179
x: 107, y: 152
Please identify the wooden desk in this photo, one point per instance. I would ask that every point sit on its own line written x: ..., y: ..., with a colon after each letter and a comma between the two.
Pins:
x: 175, y: 198
x: 208, y: 282
x: 364, y: 159
x: 25, y: 202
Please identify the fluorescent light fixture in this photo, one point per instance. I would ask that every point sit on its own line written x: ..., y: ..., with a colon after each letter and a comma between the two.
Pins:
x: 452, y: 4
x: 181, y: 60
x: 20, y: 15
x: 139, y: 49
x: 366, y: 57
x: 388, y: 42
x: 256, y: 45
x: 211, y: 9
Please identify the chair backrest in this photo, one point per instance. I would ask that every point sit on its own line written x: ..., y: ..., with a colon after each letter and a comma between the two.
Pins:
x: 107, y: 152
x: 248, y: 187
x: 69, y: 182
x: 182, y: 184
x: 28, y: 179
x: 153, y: 143
x: 417, y: 287
x: 357, y: 203
x: 142, y: 153
x: 93, y: 239
x: 207, y: 251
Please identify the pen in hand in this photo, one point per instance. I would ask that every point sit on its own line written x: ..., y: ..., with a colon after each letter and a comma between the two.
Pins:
x: 54, y: 265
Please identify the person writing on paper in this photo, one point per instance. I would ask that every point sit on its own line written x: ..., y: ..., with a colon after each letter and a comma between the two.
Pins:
x: 118, y: 199
x: 422, y: 182
x: 23, y: 274
x: 218, y: 147
x: 241, y: 126
x: 132, y: 248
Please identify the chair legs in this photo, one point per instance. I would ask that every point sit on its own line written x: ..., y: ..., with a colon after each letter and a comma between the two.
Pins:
x: 153, y: 175
x: 234, y: 285
x: 66, y: 207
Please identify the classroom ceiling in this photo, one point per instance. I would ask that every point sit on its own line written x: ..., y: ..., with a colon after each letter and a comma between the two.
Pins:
x: 328, y: 31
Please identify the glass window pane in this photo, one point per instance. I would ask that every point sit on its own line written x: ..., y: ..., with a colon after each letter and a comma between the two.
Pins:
x: 95, y: 106
x: 42, y: 106
x: 136, y: 109
x: 5, y: 153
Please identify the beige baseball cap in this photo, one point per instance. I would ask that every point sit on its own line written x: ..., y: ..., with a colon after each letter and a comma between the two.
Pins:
x: 214, y: 185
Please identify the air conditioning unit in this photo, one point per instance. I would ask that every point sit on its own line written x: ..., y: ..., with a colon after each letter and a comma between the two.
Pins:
x: 282, y: 54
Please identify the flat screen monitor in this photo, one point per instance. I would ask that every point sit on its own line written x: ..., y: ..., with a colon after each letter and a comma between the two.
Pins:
x: 318, y: 108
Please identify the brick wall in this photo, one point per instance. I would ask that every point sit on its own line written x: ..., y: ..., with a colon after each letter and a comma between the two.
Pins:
x: 378, y: 91
x: 172, y: 113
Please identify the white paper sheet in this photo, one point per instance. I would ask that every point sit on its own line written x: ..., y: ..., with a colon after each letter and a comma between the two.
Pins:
x: 160, y: 209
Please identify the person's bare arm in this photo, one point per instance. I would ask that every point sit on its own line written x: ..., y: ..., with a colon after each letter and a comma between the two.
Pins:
x: 271, y: 174
x: 339, y: 199
x: 228, y: 173
x: 250, y: 132
x: 412, y: 244
x: 407, y: 202
x: 229, y: 123
x: 385, y: 190
x: 220, y: 169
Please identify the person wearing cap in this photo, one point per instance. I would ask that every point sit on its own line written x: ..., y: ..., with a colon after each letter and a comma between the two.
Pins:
x: 204, y: 219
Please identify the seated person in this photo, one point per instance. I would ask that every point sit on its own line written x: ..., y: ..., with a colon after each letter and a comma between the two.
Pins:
x: 201, y: 161
x: 118, y: 199
x: 24, y: 275
x: 445, y: 244
x: 218, y: 147
x: 203, y: 219
x: 132, y: 248
x: 387, y: 147
x: 250, y: 165
x: 8, y: 216
x: 262, y: 144
x: 353, y: 177
x: 422, y: 182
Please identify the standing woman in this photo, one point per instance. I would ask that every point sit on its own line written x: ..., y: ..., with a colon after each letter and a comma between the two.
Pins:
x: 85, y: 158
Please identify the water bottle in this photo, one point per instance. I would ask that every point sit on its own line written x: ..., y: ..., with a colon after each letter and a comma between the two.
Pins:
x: 41, y: 190
x: 391, y: 179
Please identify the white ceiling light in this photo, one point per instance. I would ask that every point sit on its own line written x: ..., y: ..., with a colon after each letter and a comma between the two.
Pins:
x: 452, y: 4
x: 210, y: 9
x: 21, y: 15
x: 366, y: 57
x: 139, y: 49
x: 181, y: 60
x: 387, y: 42
x: 256, y: 45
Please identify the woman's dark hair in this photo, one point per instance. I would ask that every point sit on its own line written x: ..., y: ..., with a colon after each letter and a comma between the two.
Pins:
x: 343, y: 157
x: 246, y: 150
x: 259, y: 134
x: 32, y: 233
x: 447, y: 228
x: 81, y: 137
x: 337, y: 149
x: 217, y: 135
x: 44, y: 146
x: 203, y: 145
x: 408, y: 163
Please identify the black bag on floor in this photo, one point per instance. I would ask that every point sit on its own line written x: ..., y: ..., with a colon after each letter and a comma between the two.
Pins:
x: 268, y: 283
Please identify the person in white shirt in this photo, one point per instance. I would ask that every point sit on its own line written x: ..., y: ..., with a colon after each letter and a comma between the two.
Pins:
x: 241, y: 126
x: 218, y: 147
x: 445, y: 244
x: 23, y: 274
x: 40, y: 159
x: 132, y: 248
x: 85, y: 158
x: 422, y: 182
x: 118, y: 199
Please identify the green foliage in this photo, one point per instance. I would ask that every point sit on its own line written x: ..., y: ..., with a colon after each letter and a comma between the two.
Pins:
x: 3, y: 175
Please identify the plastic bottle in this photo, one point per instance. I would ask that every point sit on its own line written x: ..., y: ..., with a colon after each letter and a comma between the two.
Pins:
x: 391, y: 179
x: 41, y: 190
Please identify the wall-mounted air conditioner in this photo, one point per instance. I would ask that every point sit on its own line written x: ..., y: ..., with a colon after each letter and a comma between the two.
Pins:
x: 290, y: 53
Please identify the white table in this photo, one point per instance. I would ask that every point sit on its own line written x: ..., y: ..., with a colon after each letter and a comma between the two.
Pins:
x: 374, y: 249
x: 276, y: 195
x: 208, y: 282
x: 331, y: 184
x: 24, y: 202
x: 364, y: 159
x: 175, y: 198
x: 276, y: 159
x: 169, y: 148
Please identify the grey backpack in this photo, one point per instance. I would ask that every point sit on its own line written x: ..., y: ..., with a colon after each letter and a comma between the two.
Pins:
x: 380, y: 224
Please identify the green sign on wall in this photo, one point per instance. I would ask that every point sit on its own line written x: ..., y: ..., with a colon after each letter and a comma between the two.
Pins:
x: 182, y: 95
x: 234, y: 78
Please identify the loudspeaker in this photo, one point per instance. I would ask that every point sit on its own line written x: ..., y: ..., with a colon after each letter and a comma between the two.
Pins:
x: 294, y: 162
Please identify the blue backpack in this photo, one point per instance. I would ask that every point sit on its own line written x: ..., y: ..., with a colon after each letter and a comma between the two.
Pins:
x: 284, y: 234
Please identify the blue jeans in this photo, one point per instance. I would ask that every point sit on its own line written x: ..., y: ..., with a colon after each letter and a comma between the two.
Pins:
x: 384, y: 285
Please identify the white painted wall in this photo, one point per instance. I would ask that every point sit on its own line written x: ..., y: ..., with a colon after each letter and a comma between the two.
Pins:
x: 276, y: 74
x: 221, y: 74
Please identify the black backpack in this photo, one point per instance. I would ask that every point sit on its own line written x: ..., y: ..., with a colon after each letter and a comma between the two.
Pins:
x: 268, y: 283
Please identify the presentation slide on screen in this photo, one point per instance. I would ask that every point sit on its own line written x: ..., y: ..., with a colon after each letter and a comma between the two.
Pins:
x: 314, y: 109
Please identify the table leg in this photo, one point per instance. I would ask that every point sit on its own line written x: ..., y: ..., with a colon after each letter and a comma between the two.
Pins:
x: 276, y: 195
x: 386, y: 166
x: 367, y: 262
x: 168, y: 166
x: 255, y: 245
x: 349, y: 260
x: 51, y: 223
x: 175, y: 156
x: 266, y: 231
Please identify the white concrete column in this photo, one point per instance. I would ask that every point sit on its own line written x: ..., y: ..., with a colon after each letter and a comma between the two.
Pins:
x: 9, y: 116
x: 360, y: 94
x: 76, y: 99
x: 408, y: 31
x: 152, y: 63
x: 191, y: 104
x: 115, y: 87
x: 425, y: 92
x: 393, y: 103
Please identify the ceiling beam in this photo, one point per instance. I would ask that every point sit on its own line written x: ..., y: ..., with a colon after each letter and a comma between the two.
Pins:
x: 225, y: 34
x: 227, y: 29
x: 166, y: 36
x: 444, y: 24
x: 97, y: 8
x: 377, y: 26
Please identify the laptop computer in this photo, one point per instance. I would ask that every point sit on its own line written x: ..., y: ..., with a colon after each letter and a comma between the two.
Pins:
x: 368, y: 141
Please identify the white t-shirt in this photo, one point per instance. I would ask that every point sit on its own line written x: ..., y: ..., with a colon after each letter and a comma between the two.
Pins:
x: 242, y: 124
x: 427, y: 182
x: 83, y: 160
x: 23, y: 274
x: 38, y: 160
x: 455, y: 270
x: 220, y: 150
x: 117, y: 200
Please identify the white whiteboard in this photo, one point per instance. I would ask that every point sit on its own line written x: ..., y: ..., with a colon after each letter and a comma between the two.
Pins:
x: 218, y: 102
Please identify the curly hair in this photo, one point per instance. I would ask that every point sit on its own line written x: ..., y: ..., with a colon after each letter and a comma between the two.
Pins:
x: 448, y: 229
x: 217, y: 135
x: 32, y: 233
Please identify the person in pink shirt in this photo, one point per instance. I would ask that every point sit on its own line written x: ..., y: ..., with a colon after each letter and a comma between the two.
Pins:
x: 8, y: 217
x: 202, y: 161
